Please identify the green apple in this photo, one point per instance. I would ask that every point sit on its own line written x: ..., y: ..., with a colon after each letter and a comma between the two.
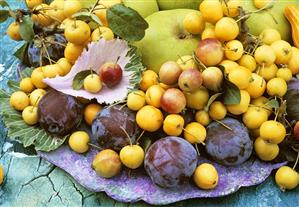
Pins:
x: 178, y: 4
x: 143, y: 7
x: 166, y: 39
x: 270, y: 18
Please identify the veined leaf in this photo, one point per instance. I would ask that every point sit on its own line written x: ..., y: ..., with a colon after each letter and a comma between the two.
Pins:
x: 273, y: 104
x: 232, y: 94
x: 13, y: 85
x: 21, y: 52
x: 86, y: 16
x: 26, y: 29
x: 79, y: 79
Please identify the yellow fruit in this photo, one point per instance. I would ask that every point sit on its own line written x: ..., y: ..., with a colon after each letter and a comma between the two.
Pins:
x: 19, y: 100
x: 248, y: 61
x: 136, y: 100
x: 257, y: 86
x: 77, y: 33
x: 261, y: 102
x: 194, y: 23
x: 242, y: 107
x: 132, y: 156
x: 293, y: 64
x: 71, y: 7
x: 277, y: 87
x: 72, y: 52
x: 285, y: 74
x: 208, y: 33
x: 261, y: 3
x: 265, y: 55
x: 51, y: 71
x: 30, y: 115
x: 195, y: 133
x: 65, y: 66
x: 269, y: 35
x: 233, y: 50
x: 101, y: 12
x: 198, y: 99
x: 33, y: 3
x: 211, y: 11
x: 78, y: 142
x: 56, y: 10
x: 202, y: 117
x: 1, y: 174
x: 91, y: 111
x: 273, y: 131
x: 109, y: 3
x: 107, y: 163
x: 187, y: 62
x: 254, y: 117
x: 153, y: 95
x: 268, y: 72
x: 13, y: 31
x: 240, y: 77
x: 173, y: 124
x: 226, y: 29
x: 26, y: 85
x: 217, y: 110
x: 102, y: 32
x: 37, y: 77
x: 286, y: 178
x: 42, y: 15
x: 229, y: 65
x: 265, y: 151
x: 66, y: 22
x: 231, y: 8
x: 36, y: 96
x: 283, y: 51
x: 149, y: 118
x: 206, y: 176
x: 149, y: 78
x: 92, y: 83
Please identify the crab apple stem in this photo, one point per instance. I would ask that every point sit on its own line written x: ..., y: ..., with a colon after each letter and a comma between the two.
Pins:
x: 94, y: 6
x: 116, y: 61
x: 197, y: 150
x: 224, y: 125
x: 94, y: 146
x: 127, y: 135
x: 201, y: 142
x: 296, y: 162
x: 137, y: 140
x: 121, y: 107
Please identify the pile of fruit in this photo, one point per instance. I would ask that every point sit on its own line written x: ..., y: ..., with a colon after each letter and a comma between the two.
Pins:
x: 234, y: 97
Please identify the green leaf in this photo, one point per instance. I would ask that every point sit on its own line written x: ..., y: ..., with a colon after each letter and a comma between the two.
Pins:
x: 3, y: 3
x: 126, y: 22
x: 145, y: 143
x: 13, y: 85
x: 273, y: 104
x: 26, y: 29
x: 86, y: 16
x: 211, y: 100
x: 4, y: 14
x: 79, y: 79
x: 232, y: 94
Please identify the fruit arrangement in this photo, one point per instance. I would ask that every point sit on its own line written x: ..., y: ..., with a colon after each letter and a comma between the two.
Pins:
x: 217, y: 96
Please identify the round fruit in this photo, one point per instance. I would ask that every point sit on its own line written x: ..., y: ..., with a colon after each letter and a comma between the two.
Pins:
x: 212, y: 78
x: 217, y: 110
x: 247, y: 61
x: 65, y: 23
x: 149, y: 118
x: 268, y: 36
x: 206, y: 176
x: 277, y: 87
x: 78, y: 142
x: 136, y: 100
x: 33, y: 3
x: 107, y: 163
x: 72, y: 52
x: 190, y: 80
x: 293, y: 64
x: 170, y: 72
x: 198, y: 99
x: 242, y: 107
x: 231, y: 8
x: 51, y: 71
x: 209, y: 52
x: 91, y: 111
x: 102, y: 32
x: 262, y: 103
x: 208, y: 33
x: 71, y: 7
x: 36, y: 96
x: 13, y: 31
x: 56, y: 10
x: 101, y: 12
x: 30, y: 115
x: 26, y: 85
x: 233, y: 50
x: 92, y: 83
x: 268, y: 72
x: 254, y: 117
x: 226, y: 29
x: 283, y: 51
x: 19, y: 100
x: 273, y: 131
x: 287, y: 178
x: 77, y: 33
x: 40, y: 15
x: 64, y: 65
x: 153, y: 95
x: 187, y: 62
x: 257, y: 86
x: 202, y: 117
x: 284, y: 73
x: 240, y: 77
x: 132, y: 156
x: 1, y: 174
x: 149, y: 78
x: 194, y: 23
x: 211, y: 11
x: 170, y: 161
x: 229, y: 66
x: 265, y: 55
x: 259, y: 4
x: 173, y: 101
x: 173, y: 124
x: 195, y: 133
x: 266, y: 151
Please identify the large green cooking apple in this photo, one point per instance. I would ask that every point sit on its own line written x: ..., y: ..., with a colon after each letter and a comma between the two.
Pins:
x: 270, y: 18
x: 177, y: 4
x: 165, y: 39
x: 143, y: 7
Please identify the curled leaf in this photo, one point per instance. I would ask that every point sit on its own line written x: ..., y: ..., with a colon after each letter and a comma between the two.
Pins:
x: 232, y: 94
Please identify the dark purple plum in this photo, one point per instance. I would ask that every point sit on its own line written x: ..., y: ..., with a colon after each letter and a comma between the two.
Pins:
x: 53, y: 44
x: 170, y: 162
x: 228, y: 146
x: 107, y: 127
x: 59, y: 113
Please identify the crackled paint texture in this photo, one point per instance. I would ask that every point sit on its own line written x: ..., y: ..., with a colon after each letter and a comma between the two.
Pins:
x: 31, y: 181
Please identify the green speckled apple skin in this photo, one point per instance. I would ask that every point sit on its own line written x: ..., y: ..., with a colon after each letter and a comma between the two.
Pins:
x: 143, y: 7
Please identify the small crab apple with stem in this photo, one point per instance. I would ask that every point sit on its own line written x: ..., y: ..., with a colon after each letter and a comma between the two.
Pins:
x: 173, y: 101
x: 78, y: 141
x: 92, y: 83
x: 111, y: 73
x: 30, y: 115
